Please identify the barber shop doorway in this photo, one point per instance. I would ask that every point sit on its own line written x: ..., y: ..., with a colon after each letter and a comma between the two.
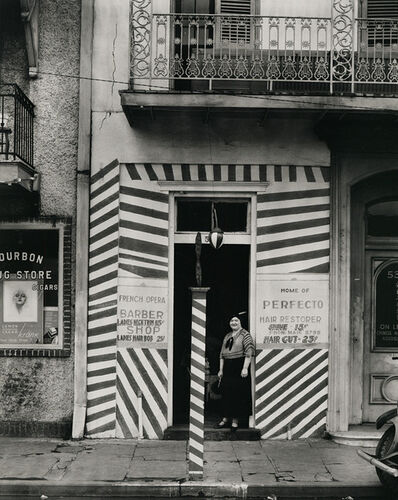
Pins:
x: 226, y: 271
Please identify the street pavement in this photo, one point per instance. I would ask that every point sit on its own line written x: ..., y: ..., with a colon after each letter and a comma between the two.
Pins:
x: 312, y: 468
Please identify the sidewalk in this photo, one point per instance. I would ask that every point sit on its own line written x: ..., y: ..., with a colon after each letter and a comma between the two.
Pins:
x: 126, y: 468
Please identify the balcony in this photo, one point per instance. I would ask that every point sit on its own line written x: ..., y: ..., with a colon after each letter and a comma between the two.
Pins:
x: 16, y: 138
x: 340, y: 55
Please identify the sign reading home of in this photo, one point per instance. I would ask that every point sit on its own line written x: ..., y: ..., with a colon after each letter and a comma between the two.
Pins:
x: 386, y: 308
x: 142, y: 316
x: 291, y: 312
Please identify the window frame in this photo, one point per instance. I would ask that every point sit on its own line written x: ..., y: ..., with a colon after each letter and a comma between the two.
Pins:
x: 63, y: 227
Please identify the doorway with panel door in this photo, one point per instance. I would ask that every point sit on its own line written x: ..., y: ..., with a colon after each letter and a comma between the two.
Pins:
x: 374, y: 295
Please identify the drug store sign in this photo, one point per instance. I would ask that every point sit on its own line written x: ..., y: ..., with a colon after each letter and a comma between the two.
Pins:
x: 291, y: 311
x: 142, y: 314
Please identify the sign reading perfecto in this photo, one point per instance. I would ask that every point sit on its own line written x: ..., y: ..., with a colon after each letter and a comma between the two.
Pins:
x: 142, y: 316
x: 292, y: 312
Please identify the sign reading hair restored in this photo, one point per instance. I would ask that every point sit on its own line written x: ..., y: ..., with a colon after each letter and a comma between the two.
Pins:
x: 292, y: 311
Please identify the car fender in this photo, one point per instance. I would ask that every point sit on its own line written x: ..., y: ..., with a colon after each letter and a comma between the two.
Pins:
x: 386, y: 417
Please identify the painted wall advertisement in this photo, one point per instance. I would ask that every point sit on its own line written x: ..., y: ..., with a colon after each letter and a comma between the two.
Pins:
x: 142, y: 315
x: 291, y: 311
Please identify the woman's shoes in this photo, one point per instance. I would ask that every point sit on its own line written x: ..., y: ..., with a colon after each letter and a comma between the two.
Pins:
x: 222, y: 424
x: 234, y: 428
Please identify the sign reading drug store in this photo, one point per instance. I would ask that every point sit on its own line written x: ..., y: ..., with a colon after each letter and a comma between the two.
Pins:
x: 29, y: 286
x: 142, y: 314
x: 292, y: 311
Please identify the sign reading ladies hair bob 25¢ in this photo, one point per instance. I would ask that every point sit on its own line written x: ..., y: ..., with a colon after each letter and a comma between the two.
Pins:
x: 292, y: 312
x: 142, y: 315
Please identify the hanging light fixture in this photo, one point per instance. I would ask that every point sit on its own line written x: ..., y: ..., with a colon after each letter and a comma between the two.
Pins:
x: 216, y: 235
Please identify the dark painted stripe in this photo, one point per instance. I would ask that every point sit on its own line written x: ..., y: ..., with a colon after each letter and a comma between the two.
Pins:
x: 291, y: 381
x: 146, y: 247
x: 93, y: 358
x: 102, y: 343
x: 278, y: 212
x: 293, y: 226
x: 105, y: 248
x: 292, y: 173
x: 103, y: 413
x: 197, y: 350
x: 217, y: 172
x: 152, y: 418
x: 318, y: 420
x: 144, y: 193
x: 105, y: 384
x: 150, y: 172
x: 200, y: 367
x: 103, y: 371
x: 148, y: 212
x: 196, y: 408
x: 102, y: 294
x: 102, y: 428
x: 291, y: 242
x: 314, y: 254
x: 144, y: 272
x: 202, y: 173
x: 168, y: 172
x: 102, y: 314
x: 148, y: 381
x: 309, y: 174
x: 197, y: 453
x: 198, y: 305
x: 105, y: 170
x: 104, y: 203
x: 125, y: 396
x: 103, y: 263
x: 100, y: 330
x: 113, y: 229
x: 103, y: 279
x: 133, y: 172
x: 246, y: 173
x: 104, y: 187
x: 186, y: 172
x: 152, y: 361
x: 102, y: 305
x: 196, y: 423
x: 142, y: 259
x: 198, y: 321
x: 322, y: 268
x: 263, y: 173
x: 104, y: 218
x: 232, y: 172
x: 270, y: 354
x: 278, y: 173
x: 325, y: 171
x: 302, y: 402
x: 163, y: 354
x: 292, y: 195
x: 145, y: 228
x: 123, y: 425
x: 92, y: 403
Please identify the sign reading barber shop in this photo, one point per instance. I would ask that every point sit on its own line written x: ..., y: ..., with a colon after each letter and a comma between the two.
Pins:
x: 142, y: 315
x: 292, y: 312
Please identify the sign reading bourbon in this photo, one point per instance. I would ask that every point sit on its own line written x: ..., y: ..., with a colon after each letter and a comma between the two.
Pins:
x: 292, y: 312
x: 385, y: 307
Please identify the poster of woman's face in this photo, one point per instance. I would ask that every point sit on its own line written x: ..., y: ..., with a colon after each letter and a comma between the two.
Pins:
x: 20, y: 301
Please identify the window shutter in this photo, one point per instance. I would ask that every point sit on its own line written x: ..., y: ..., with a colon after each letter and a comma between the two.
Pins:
x: 377, y: 9
x: 233, y: 30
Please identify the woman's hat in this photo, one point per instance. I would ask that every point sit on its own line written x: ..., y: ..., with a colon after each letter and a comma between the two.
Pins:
x: 236, y: 314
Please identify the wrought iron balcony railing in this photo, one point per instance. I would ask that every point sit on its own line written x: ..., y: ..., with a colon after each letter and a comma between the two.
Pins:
x: 339, y: 54
x: 16, y: 125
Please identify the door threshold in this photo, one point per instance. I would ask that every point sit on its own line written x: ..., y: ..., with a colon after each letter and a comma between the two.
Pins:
x: 365, y: 435
x: 181, y: 433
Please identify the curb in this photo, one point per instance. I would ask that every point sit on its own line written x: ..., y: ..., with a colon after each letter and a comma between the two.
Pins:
x: 174, y: 489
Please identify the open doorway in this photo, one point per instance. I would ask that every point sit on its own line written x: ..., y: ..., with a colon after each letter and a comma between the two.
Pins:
x: 226, y: 272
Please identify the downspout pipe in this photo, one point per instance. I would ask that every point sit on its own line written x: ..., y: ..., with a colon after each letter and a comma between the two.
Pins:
x: 82, y: 220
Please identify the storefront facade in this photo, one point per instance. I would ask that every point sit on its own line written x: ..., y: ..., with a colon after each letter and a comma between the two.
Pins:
x: 292, y: 191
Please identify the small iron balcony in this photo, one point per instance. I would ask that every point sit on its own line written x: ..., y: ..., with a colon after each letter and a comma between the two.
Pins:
x: 16, y: 125
x: 260, y: 54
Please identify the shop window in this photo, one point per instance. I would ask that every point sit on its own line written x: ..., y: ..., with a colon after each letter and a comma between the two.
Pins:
x: 379, y: 26
x: 202, y: 215
x: 35, y: 285
x: 382, y: 219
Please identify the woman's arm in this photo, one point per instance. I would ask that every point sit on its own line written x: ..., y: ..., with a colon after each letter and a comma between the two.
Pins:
x: 246, y: 364
x: 221, y: 369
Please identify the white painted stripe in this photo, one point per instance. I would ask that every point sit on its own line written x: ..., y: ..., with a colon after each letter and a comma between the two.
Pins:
x: 224, y: 173
x: 103, y: 337
x: 101, y: 365
x: 103, y: 256
x: 321, y: 408
x: 144, y: 202
x: 194, y: 172
x: 160, y: 362
x: 196, y: 460
x: 140, y: 235
x: 197, y: 387
x: 146, y: 265
x: 100, y: 288
x: 101, y: 351
x: 104, y: 210
x: 152, y: 374
x: 101, y: 197
x: 108, y: 419
x: 291, y: 187
x: 296, y: 202
x: 101, y: 407
x: 158, y: 168
x: 292, y: 218
x: 102, y: 272
x: 147, y: 427
x: 133, y: 253
x: 295, y: 267
x: 255, y: 173
x: 209, y: 172
x: 144, y: 219
x: 103, y: 241
x: 293, y: 250
x: 293, y: 234
x: 239, y: 173
x: 101, y: 378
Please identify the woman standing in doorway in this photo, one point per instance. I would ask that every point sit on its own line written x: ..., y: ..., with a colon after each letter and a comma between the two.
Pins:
x: 236, y: 353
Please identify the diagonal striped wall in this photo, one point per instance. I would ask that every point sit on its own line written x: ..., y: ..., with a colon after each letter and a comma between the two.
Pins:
x: 101, y: 335
x: 293, y: 236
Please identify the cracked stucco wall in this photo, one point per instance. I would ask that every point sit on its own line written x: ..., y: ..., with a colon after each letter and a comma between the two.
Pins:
x: 41, y: 389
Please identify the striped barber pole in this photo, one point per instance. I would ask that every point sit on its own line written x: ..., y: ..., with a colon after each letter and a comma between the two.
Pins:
x: 198, y: 367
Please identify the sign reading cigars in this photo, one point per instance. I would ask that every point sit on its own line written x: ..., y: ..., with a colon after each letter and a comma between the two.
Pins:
x: 142, y: 316
x: 292, y: 312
